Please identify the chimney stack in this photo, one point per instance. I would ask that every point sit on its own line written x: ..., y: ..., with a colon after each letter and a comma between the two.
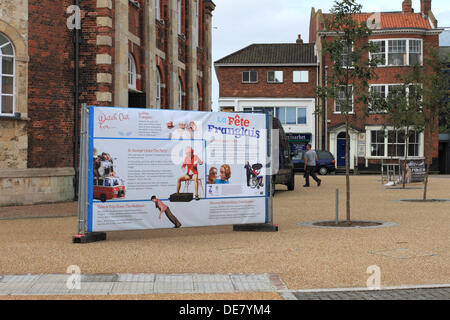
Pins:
x: 425, y: 7
x: 299, y: 40
x: 407, y: 6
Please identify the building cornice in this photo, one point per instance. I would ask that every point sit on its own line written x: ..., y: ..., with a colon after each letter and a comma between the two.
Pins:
x: 266, y: 64
x: 427, y: 32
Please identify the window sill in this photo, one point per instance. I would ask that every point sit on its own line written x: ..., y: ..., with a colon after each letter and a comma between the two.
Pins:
x: 400, y: 66
x: 15, y: 116
x: 343, y: 112
x: 393, y: 158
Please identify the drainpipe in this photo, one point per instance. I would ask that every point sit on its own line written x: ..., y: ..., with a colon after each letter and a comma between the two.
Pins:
x: 317, y: 143
x: 326, y: 110
x: 76, y: 41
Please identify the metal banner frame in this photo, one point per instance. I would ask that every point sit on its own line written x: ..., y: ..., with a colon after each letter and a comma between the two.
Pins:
x: 84, y: 236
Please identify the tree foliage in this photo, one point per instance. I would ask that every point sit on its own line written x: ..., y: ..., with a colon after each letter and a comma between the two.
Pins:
x: 347, y: 46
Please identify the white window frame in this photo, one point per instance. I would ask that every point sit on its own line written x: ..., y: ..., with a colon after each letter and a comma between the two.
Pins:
x: 301, y: 72
x: 353, y: 103
x: 13, y: 76
x: 180, y: 18
x: 369, y: 130
x: 306, y: 115
x: 386, y: 93
x: 132, y: 73
x: 349, y: 54
x: 249, y: 77
x: 180, y: 94
x: 158, y: 89
x: 275, y: 76
x: 386, y: 52
x: 158, y: 9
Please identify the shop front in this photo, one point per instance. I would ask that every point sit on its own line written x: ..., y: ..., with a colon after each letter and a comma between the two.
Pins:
x: 298, y: 141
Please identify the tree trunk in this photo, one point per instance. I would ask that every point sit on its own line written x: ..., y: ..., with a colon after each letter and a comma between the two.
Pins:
x: 347, y: 171
x: 430, y: 138
x: 406, y: 157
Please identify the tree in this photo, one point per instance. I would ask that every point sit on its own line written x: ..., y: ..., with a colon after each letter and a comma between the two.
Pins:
x: 435, y: 102
x: 351, y: 69
x: 402, y: 108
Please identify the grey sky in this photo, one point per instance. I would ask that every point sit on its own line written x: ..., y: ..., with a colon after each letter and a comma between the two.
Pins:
x: 239, y: 23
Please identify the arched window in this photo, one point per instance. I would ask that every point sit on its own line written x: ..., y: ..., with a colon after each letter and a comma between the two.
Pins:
x: 341, y: 135
x: 180, y: 94
x: 197, y: 24
x: 158, y: 9
x: 158, y: 89
x: 180, y: 16
x: 131, y: 72
x: 197, y: 107
x: 7, y: 74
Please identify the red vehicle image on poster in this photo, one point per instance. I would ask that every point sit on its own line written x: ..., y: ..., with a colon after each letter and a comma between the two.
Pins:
x: 108, y: 188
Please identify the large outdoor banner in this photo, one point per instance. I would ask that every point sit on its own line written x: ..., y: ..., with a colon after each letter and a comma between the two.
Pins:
x: 165, y: 168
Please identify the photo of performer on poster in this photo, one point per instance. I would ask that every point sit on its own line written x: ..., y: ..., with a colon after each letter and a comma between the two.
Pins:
x: 107, y: 185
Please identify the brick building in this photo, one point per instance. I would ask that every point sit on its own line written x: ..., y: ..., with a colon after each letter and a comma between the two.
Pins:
x: 276, y: 78
x: 403, y: 38
x: 133, y: 53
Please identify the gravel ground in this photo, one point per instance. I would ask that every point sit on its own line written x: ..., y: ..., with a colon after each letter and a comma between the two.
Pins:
x: 415, y: 252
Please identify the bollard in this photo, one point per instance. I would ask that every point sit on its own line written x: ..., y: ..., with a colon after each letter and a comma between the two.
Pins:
x: 337, y: 206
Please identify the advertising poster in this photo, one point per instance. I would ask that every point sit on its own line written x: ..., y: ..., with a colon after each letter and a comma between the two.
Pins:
x: 415, y: 170
x: 154, y: 169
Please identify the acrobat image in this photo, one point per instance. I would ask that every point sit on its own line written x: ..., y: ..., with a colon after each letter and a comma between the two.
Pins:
x: 254, y: 179
x: 107, y: 185
x: 165, y: 209
x: 184, y: 131
x: 190, y: 164
x: 225, y: 175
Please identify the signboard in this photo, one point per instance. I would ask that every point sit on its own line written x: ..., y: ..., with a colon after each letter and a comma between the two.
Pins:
x: 415, y: 170
x: 200, y: 168
x: 361, y: 145
x: 302, y: 137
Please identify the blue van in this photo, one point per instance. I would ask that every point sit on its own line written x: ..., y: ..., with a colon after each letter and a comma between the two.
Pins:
x: 325, y: 164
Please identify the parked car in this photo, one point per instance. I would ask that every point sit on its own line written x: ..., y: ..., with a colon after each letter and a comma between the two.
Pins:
x: 325, y: 164
x: 108, y: 188
x: 285, y: 174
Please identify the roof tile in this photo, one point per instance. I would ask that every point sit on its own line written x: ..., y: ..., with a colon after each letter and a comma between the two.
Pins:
x: 396, y: 20
x: 272, y: 53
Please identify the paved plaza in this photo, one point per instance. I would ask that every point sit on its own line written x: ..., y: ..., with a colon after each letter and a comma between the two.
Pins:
x: 412, y: 253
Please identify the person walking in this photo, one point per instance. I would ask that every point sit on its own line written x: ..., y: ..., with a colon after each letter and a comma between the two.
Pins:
x: 165, y: 209
x: 310, y: 166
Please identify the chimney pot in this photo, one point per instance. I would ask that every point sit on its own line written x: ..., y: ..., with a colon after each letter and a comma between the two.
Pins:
x: 425, y: 7
x: 407, y: 6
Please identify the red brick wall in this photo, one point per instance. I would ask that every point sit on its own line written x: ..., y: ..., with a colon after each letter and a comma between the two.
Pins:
x: 384, y: 75
x: 230, y: 80
x: 51, y: 73
x: 50, y: 81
